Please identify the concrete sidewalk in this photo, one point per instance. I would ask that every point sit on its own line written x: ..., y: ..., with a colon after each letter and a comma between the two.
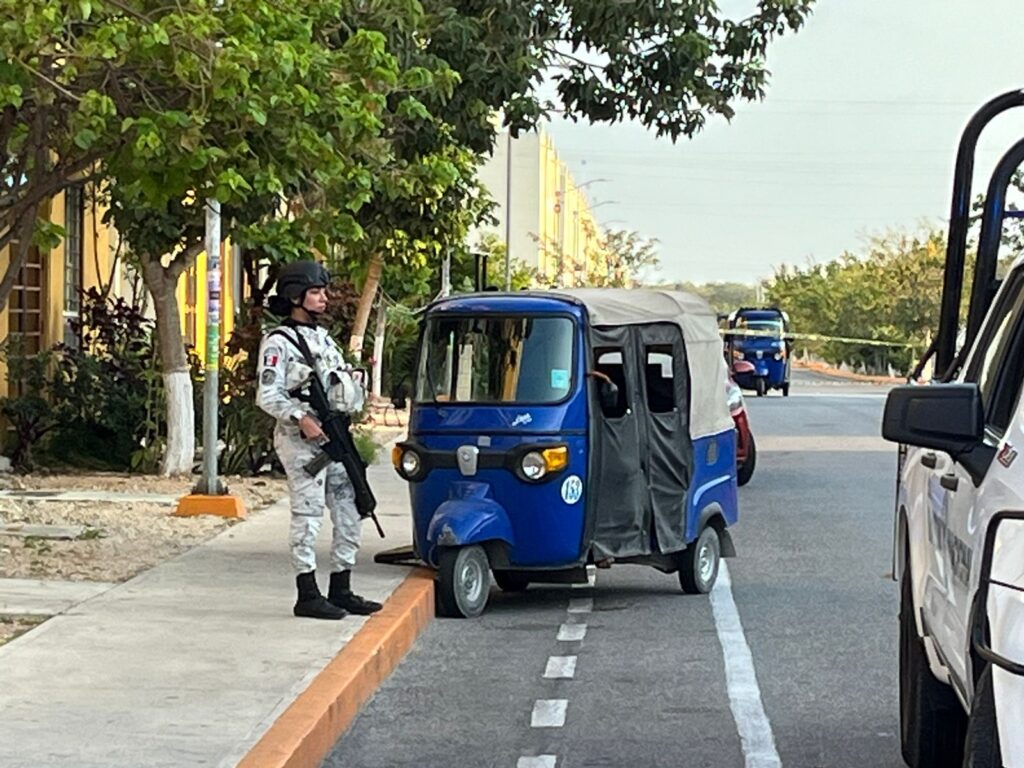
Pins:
x: 190, y: 662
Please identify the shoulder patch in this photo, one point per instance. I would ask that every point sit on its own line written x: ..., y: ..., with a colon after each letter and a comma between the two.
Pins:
x: 269, y: 376
x: 271, y: 357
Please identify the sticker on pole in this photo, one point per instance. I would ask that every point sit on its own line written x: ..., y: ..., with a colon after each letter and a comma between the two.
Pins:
x: 572, y: 489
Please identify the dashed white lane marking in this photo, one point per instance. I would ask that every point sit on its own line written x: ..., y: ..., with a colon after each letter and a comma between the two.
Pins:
x: 591, y: 578
x: 756, y: 738
x: 560, y: 668
x: 581, y: 605
x: 540, y: 761
x: 549, y: 713
x: 572, y: 632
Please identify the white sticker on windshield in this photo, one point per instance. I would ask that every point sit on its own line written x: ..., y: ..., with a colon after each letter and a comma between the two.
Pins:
x: 572, y: 489
x: 559, y: 378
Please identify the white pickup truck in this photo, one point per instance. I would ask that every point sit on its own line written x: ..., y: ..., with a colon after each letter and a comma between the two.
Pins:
x: 959, y: 527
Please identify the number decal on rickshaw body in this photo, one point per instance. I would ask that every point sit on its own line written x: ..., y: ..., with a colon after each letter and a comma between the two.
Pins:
x: 572, y: 489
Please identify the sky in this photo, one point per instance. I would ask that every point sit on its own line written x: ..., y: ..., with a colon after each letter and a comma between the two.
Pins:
x: 857, y: 136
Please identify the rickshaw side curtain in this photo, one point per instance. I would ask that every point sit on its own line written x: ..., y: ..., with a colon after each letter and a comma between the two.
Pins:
x: 621, y: 504
x: 666, y: 415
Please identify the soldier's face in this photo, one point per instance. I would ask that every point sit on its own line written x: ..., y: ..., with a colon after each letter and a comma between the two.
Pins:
x: 316, y: 300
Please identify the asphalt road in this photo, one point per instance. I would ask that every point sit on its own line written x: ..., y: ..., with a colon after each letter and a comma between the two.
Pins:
x: 650, y: 685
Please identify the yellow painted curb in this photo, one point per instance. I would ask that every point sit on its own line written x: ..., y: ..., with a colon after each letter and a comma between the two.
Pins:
x: 221, y: 506
x: 309, y: 728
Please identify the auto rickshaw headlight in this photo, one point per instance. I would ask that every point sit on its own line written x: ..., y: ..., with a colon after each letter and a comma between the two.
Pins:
x: 536, y: 465
x: 533, y: 465
x: 410, y: 463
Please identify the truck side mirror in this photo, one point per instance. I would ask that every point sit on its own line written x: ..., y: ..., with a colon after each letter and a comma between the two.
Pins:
x: 947, y: 417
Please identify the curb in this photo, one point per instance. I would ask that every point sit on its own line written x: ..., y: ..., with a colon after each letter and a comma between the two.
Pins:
x: 310, y: 727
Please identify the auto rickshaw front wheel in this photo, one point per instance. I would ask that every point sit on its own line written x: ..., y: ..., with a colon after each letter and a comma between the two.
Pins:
x: 463, y: 582
x: 761, y: 386
x: 699, y: 569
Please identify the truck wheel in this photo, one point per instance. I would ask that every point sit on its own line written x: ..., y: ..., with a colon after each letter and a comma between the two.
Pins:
x: 760, y: 386
x: 932, y: 722
x: 982, y: 747
x: 746, y: 470
x: 463, y: 582
x: 511, y: 581
x: 700, y: 560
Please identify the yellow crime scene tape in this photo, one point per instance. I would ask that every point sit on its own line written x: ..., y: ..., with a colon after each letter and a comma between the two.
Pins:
x: 819, y: 337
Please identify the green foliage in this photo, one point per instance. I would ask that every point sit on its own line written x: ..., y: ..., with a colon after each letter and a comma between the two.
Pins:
x: 400, y: 346
x: 463, y: 274
x: 29, y: 413
x: 366, y: 445
x: 107, y: 392
x: 246, y: 431
x: 889, y: 293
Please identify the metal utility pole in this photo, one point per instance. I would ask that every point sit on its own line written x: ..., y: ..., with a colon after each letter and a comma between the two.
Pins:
x: 209, y: 497
x: 211, y: 392
x: 508, y: 213
x: 446, y: 274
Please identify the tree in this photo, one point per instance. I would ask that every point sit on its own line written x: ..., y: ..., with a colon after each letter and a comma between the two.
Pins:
x: 889, y: 294
x: 668, y: 65
x: 629, y: 257
x: 259, y: 111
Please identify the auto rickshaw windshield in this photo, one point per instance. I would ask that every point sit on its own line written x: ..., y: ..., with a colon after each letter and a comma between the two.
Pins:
x: 772, y: 326
x: 496, y: 359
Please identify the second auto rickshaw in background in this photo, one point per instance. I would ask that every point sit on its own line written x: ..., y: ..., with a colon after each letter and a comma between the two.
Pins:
x: 554, y: 430
x: 759, y: 350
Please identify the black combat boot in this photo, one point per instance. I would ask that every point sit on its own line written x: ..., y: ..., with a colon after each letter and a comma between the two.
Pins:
x: 341, y: 595
x: 311, y: 603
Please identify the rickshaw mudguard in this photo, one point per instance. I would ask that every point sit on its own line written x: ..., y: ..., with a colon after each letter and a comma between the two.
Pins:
x: 469, y: 516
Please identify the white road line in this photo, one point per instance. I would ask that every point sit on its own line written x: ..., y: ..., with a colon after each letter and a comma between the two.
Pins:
x: 560, y: 668
x: 540, y: 761
x: 549, y: 713
x: 591, y: 578
x: 756, y: 738
x: 581, y: 605
x: 572, y: 632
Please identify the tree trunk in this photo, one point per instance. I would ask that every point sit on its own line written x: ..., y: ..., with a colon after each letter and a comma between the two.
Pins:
x: 369, y: 293
x: 181, y: 416
x: 378, y: 346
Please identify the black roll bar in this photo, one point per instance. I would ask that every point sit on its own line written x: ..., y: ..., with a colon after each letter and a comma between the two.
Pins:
x: 985, y: 285
x: 959, y: 221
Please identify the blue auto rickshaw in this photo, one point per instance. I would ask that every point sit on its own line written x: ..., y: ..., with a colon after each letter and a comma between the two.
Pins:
x: 759, y: 349
x: 553, y: 430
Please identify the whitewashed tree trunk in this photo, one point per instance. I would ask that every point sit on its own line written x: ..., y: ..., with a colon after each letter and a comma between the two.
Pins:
x: 181, y: 421
x: 378, y: 347
x: 181, y: 417
x: 355, y: 343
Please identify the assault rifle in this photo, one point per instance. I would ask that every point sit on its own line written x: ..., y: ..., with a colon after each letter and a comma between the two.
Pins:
x: 339, y: 446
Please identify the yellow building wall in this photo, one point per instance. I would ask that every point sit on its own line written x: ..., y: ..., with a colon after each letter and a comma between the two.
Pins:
x: 569, y: 235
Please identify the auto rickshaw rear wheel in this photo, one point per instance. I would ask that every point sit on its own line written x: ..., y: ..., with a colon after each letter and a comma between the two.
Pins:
x: 463, y: 582
x: 699, y: 569
x: 511, y: 581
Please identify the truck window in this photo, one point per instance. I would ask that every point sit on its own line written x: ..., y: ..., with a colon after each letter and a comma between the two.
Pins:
x: 996, y: 366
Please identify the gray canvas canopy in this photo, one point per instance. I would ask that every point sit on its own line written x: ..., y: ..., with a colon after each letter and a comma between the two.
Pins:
x: 709, y: 412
